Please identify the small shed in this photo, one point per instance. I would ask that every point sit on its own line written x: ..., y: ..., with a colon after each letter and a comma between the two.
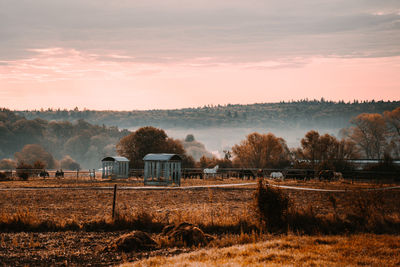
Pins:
x: 115, y: 167
x: 162, y: 169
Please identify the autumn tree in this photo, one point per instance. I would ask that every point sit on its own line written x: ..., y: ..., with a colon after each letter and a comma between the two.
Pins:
x: 261, y: 151
x: 392, y: 119
x: 369, y: 133
x: 326, y: 151
x: 32, y: 153
x: 211, y: 162
x: 148, y: 140
x: 310, y: 146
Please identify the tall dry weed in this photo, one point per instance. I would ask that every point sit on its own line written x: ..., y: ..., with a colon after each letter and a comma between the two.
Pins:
x: 271, y: 205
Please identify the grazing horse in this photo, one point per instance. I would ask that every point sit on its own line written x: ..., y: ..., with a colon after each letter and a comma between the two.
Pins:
x: 326, y: 175
x: 59, y: 174
x: 212, y: 171
x: 276, y: 175
x: 44, y: 174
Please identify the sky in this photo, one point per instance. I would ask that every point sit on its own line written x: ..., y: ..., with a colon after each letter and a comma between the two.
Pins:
x: 129, y: 55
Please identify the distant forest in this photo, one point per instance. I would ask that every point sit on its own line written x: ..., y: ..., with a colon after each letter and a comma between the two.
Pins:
x: 82, y: 141
x: 73, y: 138
x: 303, y: 113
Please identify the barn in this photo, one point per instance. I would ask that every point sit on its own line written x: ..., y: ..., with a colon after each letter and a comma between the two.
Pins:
x: 162, y: 169
x: 115, y: 167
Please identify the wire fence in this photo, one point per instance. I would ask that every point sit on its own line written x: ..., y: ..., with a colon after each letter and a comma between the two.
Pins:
x: 222, y: 173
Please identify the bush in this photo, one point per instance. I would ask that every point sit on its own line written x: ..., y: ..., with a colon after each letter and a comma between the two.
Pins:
x: 271, y: 205
x: 24, y: 170
x: 3, y: 176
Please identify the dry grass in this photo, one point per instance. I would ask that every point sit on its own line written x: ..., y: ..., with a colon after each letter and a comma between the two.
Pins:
x: 353, y: 250
x: 85, y: 181
x: 226, y: 213
x: 214, y: 210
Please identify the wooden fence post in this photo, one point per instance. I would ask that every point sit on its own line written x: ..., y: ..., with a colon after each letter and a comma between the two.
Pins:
x: 114, y: 199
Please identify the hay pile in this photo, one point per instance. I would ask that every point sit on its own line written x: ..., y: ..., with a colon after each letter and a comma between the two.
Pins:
x: 134, y: 241
x: 186, y: 234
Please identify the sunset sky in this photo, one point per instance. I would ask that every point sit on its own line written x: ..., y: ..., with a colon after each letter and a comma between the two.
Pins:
x: 149, y: 54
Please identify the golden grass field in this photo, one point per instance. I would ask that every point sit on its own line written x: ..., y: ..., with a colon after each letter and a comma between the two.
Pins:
x: 225, y: 213
x: 293, y: 250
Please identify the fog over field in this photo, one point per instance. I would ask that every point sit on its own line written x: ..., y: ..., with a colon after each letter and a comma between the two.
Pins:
x: 222, y: 126
x: 218, y: 139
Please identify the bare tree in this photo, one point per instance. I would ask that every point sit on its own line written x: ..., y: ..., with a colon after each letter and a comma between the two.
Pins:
x: 369, y: 133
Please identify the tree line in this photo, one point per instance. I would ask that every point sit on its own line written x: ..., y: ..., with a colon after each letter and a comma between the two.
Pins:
x: 68, y: 145
x: 371, y: 136
x: 56, y: 143
x: 304, y: 113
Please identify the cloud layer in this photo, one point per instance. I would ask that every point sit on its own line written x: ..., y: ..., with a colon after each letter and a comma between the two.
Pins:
x: 230, y: 30
x: 164, y: 54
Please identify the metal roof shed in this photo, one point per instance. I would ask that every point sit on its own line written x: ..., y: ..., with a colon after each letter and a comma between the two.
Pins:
x: 115, y: 167
x: 162, y: 169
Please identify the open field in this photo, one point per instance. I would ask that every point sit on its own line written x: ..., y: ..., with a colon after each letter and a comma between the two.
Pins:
x: 85, y: 205
x: 81, y: 248
x: 352, y: 250
x: 87, y: 182
x: 225, y: 213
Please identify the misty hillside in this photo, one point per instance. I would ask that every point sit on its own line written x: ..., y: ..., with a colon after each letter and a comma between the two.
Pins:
x: 84, y: 142
x: 300, y: 114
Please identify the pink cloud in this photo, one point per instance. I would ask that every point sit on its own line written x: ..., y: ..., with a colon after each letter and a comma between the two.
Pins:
x: 65, y: 78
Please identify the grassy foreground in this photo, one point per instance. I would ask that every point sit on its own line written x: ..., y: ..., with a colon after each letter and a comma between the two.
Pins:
x: 352, y: 250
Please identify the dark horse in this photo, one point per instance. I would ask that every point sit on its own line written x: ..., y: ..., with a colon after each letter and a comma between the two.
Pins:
x: 326, y: 175
x: 59, y: 174
x: 44, y: 174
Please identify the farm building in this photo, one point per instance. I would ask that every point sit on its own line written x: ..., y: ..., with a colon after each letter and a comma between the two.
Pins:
x: 115, y: 167
x: 162, y: 169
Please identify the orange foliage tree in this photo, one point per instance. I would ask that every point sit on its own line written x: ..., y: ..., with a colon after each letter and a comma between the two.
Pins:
x: 32, y: 153
x: 150, y: 140
x: 369, y: 133
x: 392, y: 119
x: 261, y: 151
x: 326, y: 151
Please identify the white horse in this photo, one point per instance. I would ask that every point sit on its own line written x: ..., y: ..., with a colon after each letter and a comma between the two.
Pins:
x: 276, y: 175
x: 212, y: 171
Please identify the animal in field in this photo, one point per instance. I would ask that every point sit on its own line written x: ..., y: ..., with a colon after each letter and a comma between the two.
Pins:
x: 247, y: 173
x: 326, y: 175
x: 44, y: 174
x: 212, y: 171
x: 338, y: 175
x: 276, y: 175
x: 59, y: 174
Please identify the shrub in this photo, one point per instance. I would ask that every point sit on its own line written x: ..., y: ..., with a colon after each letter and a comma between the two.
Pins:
x: 271, y: 205
x: 24, y: 170
x: 3, y: 176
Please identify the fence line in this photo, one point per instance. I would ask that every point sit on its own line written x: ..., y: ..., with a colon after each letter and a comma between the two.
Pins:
x: 197, y: 187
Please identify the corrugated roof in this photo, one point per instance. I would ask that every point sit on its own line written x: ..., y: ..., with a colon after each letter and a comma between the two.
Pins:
x: 162, y: 157
x: 115, y: 158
